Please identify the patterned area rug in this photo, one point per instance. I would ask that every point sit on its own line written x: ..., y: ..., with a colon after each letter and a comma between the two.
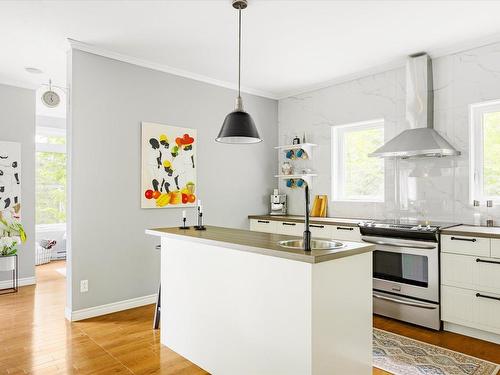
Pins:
x: 403, y: 356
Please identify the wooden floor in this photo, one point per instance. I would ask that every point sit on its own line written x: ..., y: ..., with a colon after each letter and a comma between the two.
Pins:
x: 36, y: 339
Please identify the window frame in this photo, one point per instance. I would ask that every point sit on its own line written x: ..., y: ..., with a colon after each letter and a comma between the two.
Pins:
x: 476, y: 150
x: 47, y: 147
x: 338, y: 182
x: 55, y: 148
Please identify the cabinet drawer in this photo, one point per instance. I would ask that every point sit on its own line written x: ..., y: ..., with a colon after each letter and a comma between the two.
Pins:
x: 268, y: 226
x: 495, y: 248
x: 290, y: 228
x: 471, y: 308
x: 478, y: 273
x: 340, y: 232
x: 320, y: 231
x: 465, y: 245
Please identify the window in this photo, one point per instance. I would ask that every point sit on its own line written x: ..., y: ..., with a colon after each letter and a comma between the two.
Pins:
x: 356, y: 176
x: 485, y: 151
x: 50, y: 176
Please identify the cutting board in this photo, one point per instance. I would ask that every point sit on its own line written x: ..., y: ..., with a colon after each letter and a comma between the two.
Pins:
x: 319, y: 206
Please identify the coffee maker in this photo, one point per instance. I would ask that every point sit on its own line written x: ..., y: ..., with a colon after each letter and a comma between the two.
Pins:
x: 278, y: 203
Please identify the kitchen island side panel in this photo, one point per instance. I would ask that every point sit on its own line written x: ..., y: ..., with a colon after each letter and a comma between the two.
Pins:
x: 234, y: 312
x: 342, y: 319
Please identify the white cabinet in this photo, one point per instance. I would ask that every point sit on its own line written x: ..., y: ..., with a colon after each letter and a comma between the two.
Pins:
x: 456, y: 306
x: 471, y: 308
x: 465, y: 245
x: 290, y: 228
x: 470, y: 282
x: 268, y: 226
x: 320, y: 231
x: 495, y: 248
x: 346, y: 233
x: 471, y: 272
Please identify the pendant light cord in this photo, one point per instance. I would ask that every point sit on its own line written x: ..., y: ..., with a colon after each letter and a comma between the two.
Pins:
x: 239, y: 52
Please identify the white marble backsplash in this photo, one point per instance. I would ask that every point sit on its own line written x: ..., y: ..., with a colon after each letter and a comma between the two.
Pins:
x: 460, y: 80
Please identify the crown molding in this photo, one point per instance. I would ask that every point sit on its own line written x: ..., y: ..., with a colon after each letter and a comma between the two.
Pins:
x: 386, y: 66
x: 434, y: 53
x: 75, y: 44
x: 390, y: 65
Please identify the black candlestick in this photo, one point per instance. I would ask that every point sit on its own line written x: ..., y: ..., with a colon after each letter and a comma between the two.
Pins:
x: 184, y: 224
x: 200, y: 221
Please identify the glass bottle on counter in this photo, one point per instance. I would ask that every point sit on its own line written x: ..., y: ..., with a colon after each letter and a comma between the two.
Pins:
x: 477, y: 213
x: 489, y: 217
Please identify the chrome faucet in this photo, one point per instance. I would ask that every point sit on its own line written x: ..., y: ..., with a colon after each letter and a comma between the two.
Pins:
x: 307, y: 232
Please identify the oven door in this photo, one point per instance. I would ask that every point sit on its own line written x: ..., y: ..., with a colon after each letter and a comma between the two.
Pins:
x: 406, y: 267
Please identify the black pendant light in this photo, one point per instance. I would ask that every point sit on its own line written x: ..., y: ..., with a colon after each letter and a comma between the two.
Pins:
x: 238, y: 126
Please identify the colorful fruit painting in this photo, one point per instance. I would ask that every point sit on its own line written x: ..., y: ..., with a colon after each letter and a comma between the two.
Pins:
x: 163, y: 200
x: 168, y: 166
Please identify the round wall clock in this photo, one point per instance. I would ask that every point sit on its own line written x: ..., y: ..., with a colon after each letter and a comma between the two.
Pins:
x: 51, y: 99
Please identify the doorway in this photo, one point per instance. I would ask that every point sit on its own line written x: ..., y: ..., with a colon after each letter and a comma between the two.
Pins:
x: 50, y: 183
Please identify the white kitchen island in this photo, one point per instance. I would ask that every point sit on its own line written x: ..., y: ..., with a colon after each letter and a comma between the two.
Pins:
x: 235, y: 302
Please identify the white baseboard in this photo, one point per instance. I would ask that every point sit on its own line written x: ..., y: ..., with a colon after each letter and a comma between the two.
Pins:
x: 472, y: 332
x: 67, y: 313
x: 22, y: 282
x: 109, y: 308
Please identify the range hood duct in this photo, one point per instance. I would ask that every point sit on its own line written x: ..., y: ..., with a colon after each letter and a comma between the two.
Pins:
x: 421, y: 140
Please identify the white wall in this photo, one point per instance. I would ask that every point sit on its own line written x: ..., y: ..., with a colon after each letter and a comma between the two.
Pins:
x: 109, y: 99
x: 460, y: 79
x: 17, y: 124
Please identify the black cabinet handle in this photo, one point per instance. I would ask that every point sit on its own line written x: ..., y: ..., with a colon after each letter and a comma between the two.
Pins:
x: 488, y: 297
x: 463, y: 239
x: 263, y: 221
x: 345, y: 228
x: 288, y: 223
x: 316, y: 226
x: 486, y: 261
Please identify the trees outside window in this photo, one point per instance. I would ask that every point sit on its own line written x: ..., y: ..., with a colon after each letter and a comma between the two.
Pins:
x: 355, y: 175
x: 50, y: 177
x: 485, y: 151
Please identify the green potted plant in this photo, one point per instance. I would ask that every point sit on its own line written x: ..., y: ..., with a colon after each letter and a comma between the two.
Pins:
x: 12, y: 233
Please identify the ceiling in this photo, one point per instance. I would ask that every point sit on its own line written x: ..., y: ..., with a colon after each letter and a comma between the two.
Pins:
x: 288, y: 46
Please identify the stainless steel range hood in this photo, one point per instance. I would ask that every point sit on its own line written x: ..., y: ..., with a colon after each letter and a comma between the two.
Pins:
x: 421, y: 139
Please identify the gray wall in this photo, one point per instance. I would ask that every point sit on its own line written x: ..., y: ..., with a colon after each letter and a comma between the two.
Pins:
x: 17, y: 124
x: 460, y: 79
x: 108, y: 101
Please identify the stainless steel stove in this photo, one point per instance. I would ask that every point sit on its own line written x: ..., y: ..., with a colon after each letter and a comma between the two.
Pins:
x: 406, y: 269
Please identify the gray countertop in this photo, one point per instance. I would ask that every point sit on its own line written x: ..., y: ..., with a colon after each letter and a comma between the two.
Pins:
x: 258, y: 242
x: 471, y: 230
x: 314, y: 220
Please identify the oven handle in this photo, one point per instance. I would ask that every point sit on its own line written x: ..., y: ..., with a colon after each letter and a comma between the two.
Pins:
x: 405, y: 302
x: 398, y: 244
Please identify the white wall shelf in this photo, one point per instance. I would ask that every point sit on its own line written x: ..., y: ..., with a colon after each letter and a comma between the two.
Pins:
x: 307, y: 147
x: 307, y: 177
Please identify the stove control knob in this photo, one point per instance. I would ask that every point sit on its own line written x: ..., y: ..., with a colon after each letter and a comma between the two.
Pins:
x: 428, y: 227
x: 419, y: 227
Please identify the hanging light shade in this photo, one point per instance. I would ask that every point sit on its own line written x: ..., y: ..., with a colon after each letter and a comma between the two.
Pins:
x: 238, y: 126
